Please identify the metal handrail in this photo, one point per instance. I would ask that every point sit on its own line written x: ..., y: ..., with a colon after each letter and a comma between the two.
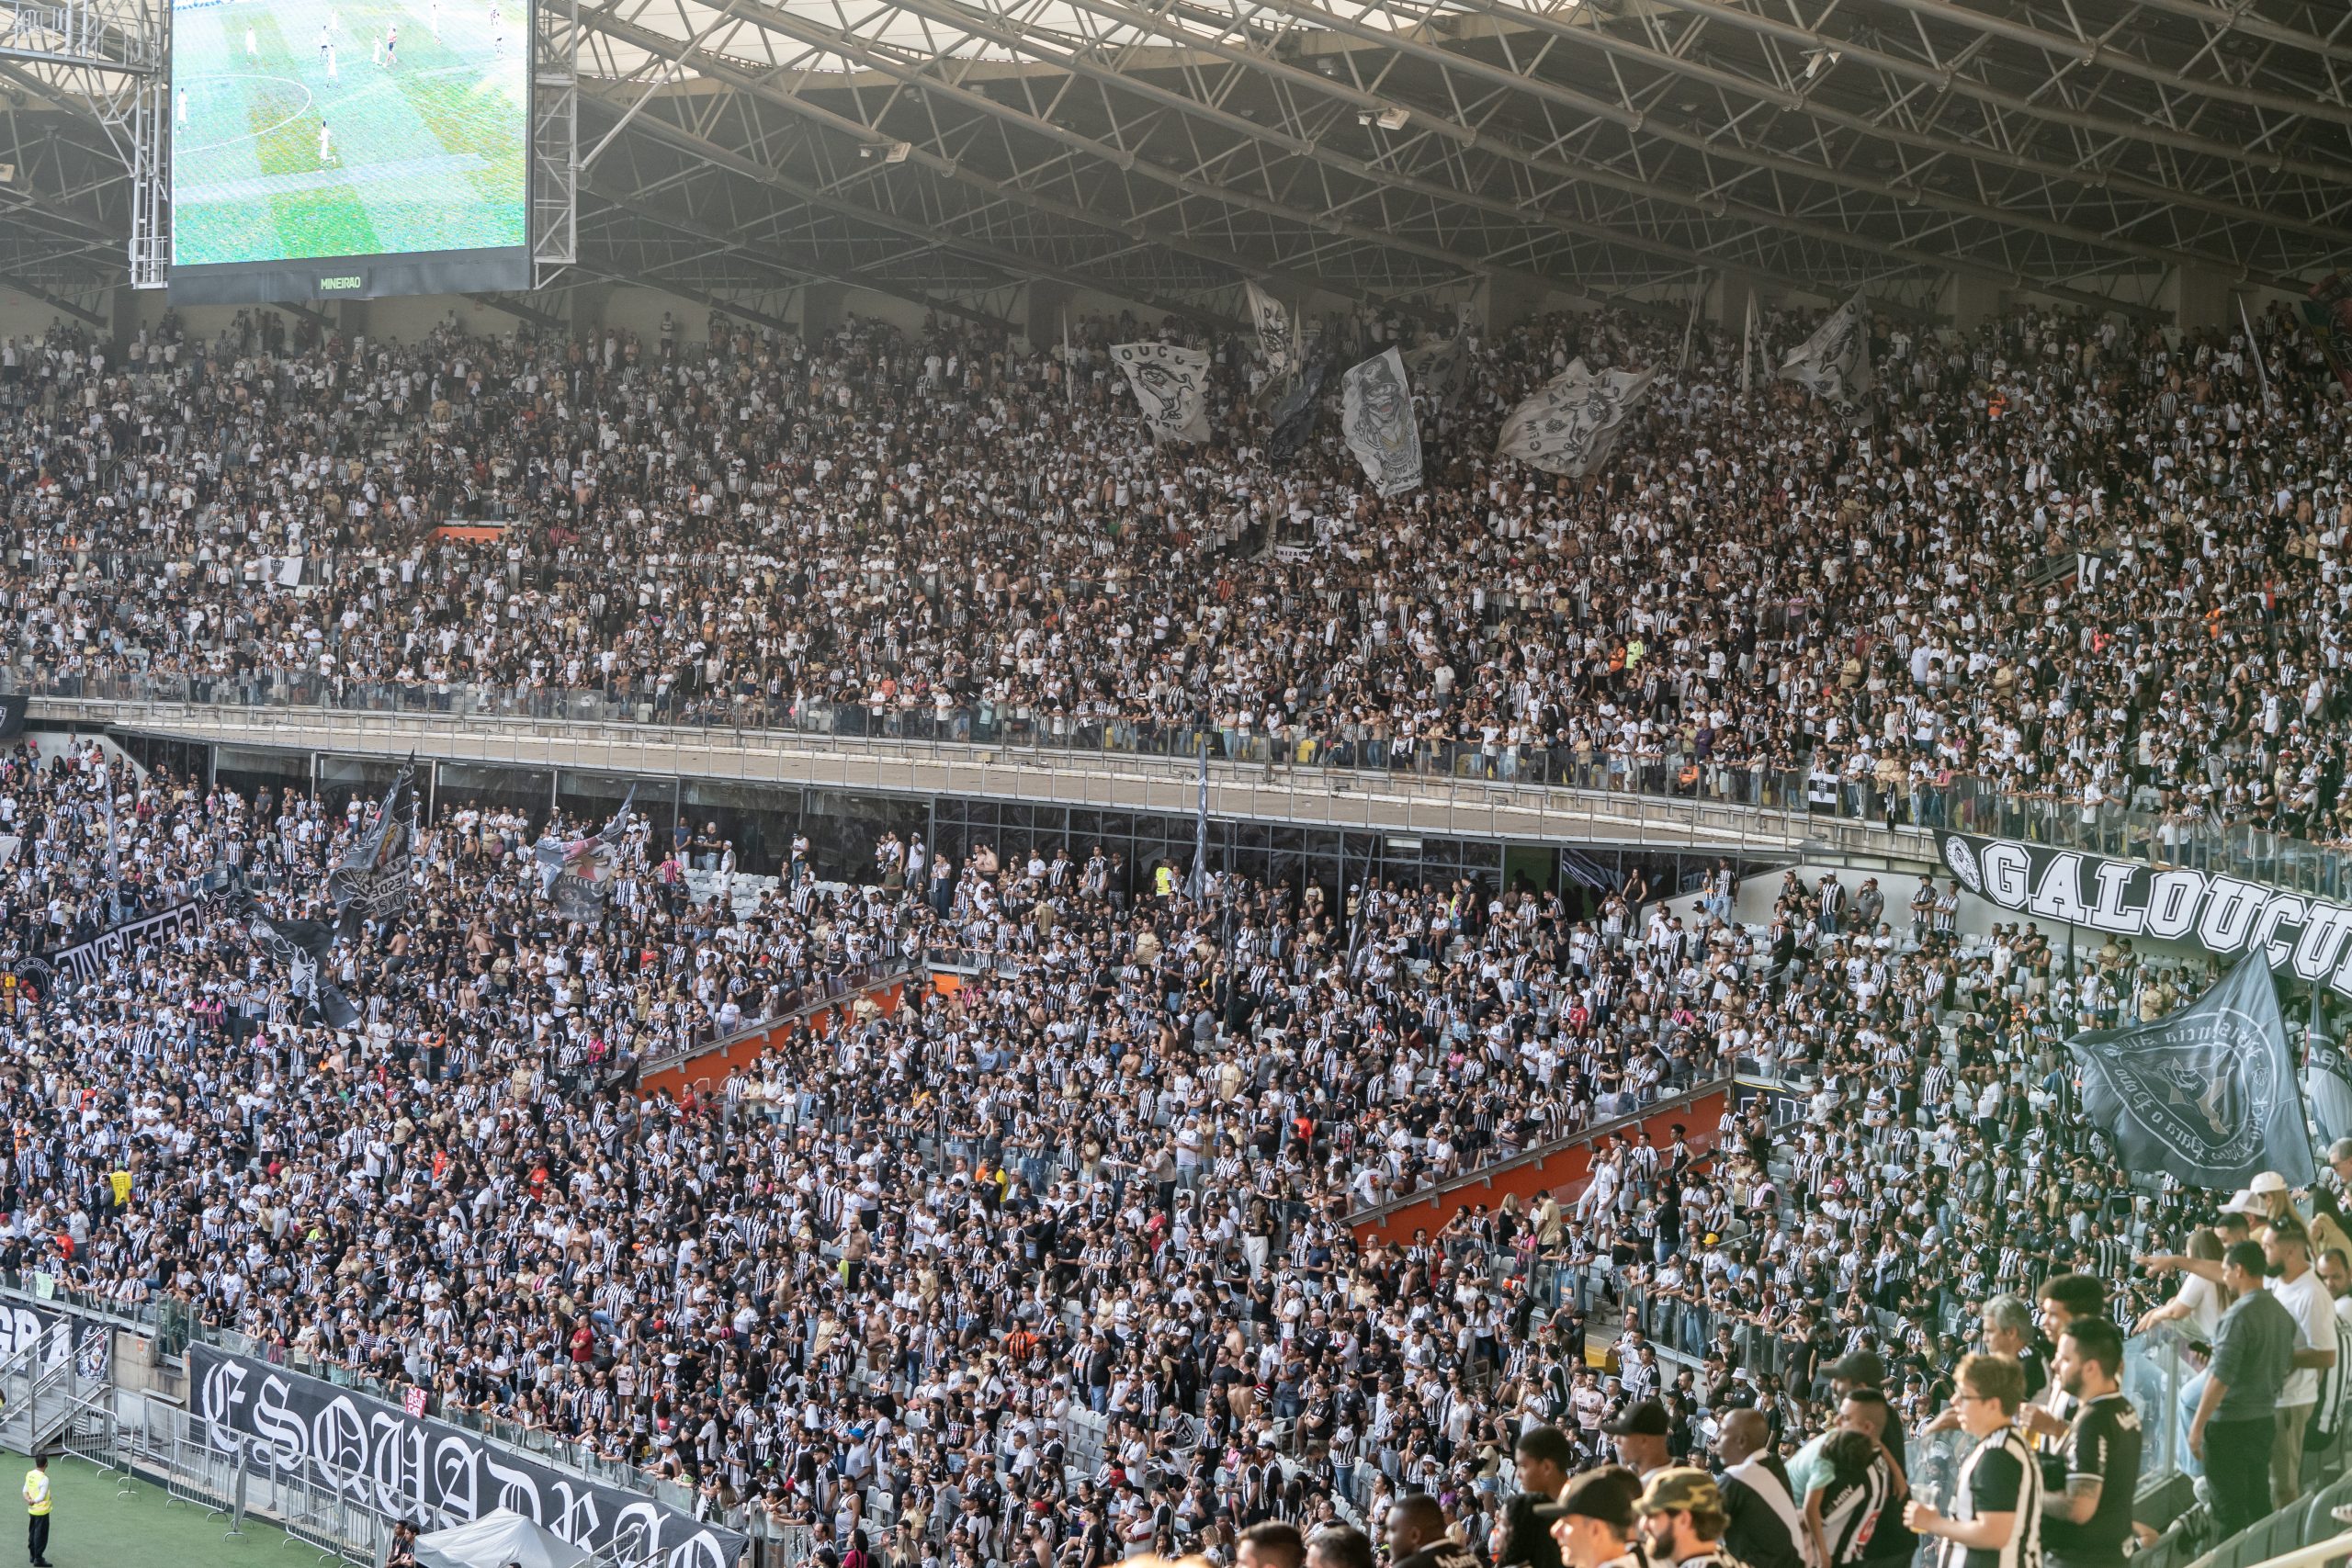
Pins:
x: 627, y: 746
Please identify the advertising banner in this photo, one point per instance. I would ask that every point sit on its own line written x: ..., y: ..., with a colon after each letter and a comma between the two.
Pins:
x: 403, y: 1464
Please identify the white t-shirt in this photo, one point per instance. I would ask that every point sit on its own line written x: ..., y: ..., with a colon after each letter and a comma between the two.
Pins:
x: 2204, y: 1299
x: 2315, y: 1314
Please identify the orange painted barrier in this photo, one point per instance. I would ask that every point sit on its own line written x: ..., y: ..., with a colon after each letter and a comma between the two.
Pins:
x: 1563, y: 1170
x: 744, y: 1049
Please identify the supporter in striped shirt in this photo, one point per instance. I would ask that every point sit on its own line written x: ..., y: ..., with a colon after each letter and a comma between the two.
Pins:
x: 1994, y: 1518
x: 1842, y: 1509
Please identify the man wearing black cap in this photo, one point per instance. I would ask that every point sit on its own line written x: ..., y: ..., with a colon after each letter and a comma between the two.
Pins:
x: 1592, y: 1524
x: 1542, y: 1456
x: 1640, y: 1431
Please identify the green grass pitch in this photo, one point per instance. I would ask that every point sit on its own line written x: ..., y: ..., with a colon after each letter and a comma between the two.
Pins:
x: 426, y: 106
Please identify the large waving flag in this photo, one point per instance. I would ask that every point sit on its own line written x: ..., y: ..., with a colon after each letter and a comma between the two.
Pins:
x: 578, y: 874
x: 2208, y: 1093
x: 1835, y: 361
x: 371, y: 881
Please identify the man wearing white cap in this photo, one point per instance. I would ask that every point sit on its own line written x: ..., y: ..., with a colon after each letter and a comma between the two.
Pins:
x: 2268, y: 1189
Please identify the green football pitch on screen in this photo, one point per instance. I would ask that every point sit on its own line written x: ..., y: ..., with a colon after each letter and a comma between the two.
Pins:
x: 343, y: 128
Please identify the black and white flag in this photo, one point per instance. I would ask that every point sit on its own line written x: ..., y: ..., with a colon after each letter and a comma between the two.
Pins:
x: 1835, y: 361
x: 1440, y: 370
x: 578, y: 874
x: 1277, y: 332
x: 1377, y: 416
x: 300, y: 948
x: 1573, y: 424
x: 1171, y: 388
x: 2327, y: 1075
x: 1295, y: 415
x: 2208, y: 1093
x: 371, y: 881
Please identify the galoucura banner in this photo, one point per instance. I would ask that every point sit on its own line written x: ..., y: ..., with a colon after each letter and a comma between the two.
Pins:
x: 2308, y: 938
x: 402, y: 1464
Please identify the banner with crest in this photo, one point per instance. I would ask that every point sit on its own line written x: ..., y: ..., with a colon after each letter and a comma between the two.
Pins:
x: 1573, y: 424
x: 1377, y: 416
x: 1171, y: 386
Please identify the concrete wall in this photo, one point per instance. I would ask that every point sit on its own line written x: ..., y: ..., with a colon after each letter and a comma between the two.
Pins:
x: 711, y: 1068
x: 590, y: 307
x: 57, y: 742
x: 21, y: 315
x: 1562, y: 1171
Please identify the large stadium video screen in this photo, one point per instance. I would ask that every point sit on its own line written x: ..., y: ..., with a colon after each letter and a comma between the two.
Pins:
x: 349, y: 149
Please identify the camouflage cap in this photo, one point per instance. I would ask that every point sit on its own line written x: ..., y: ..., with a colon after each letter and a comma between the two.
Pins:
x: 1681, y: 1488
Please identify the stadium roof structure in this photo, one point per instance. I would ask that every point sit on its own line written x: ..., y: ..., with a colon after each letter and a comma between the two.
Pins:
x: 1165, y: 151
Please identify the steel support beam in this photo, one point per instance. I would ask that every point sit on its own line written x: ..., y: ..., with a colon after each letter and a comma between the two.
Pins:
x: 794, y: 276
x: 1592, y: 35
x: 1961, y: 83
x: 1303, y: 147
x: 522, y: 312
x: 760, y: 86
x: 2099, y: 52
x: 1637, y: 122
x: 1012, y: 263
x: 57, y: 301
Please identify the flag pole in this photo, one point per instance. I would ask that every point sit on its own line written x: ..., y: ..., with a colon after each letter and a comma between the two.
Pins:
x: 114, y: 858
x: 1746, y: 345
x: 2254, y: 348
x: 1200, y: 888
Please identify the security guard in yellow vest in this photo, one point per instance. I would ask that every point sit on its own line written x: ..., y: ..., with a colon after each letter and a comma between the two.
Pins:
x: 36, y: 1511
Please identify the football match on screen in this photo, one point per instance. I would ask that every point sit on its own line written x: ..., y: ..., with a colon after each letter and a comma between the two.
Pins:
x: 335, y: 127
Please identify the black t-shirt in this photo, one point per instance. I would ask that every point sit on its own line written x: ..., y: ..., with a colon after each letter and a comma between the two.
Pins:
x: 1892, y: 1540
x: 2104, y: 1442
x: 2036, y: 1362
x: 1526, y: 1537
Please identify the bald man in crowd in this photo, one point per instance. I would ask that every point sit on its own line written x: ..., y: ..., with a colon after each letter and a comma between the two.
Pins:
x: 1766, y: 1527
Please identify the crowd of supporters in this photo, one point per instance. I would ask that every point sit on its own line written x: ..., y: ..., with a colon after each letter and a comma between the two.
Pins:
x: 2070, y: 558
x: 1056, y: 1266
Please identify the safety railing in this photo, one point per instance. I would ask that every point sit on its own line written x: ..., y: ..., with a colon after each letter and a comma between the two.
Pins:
x: 1822, y: 791
x: 1393, y: 802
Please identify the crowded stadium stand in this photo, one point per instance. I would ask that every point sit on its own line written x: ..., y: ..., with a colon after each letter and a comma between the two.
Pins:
x: 1261, y: 784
